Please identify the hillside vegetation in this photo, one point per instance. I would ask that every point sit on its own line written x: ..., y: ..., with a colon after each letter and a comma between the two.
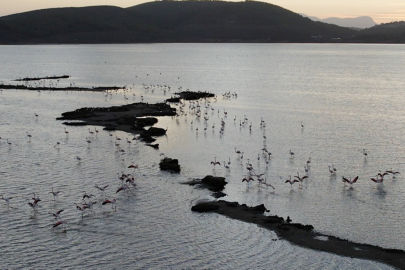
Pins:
x: 172, y: 21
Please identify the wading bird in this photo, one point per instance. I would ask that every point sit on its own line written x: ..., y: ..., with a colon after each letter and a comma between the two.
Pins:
x: 301, y: 179
x: 7, y: 200
x: 113, y: 203
x: 55, y: 193
x: 291, y: 181
x: 215, y: 162
x: 350, y: 181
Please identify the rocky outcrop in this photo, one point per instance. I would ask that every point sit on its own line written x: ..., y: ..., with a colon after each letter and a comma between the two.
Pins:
x: 215, y: 183
x: 169, y: 164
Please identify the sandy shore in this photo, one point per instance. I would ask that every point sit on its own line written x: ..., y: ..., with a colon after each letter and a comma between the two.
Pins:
x: 304, y: 235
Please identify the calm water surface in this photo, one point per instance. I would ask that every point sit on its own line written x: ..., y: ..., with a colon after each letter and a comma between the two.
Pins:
x: 348, y: 97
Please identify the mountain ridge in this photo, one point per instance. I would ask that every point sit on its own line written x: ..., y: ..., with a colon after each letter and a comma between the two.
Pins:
x: 360, y: 22
x: 169, y: 21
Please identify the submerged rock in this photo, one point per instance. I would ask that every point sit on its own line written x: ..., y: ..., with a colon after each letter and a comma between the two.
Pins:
x: 169, y: 164
x: 215, y: 182
x: 205, y: 207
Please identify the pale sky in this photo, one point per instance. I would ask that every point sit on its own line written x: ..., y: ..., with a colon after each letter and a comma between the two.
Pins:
x: 382, y: 11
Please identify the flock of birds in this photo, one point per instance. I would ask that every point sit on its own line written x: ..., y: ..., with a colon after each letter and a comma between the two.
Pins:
x: 203, y: 111
x: 126, y: 185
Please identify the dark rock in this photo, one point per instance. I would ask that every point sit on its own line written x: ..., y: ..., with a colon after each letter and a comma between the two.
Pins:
x: 75, y: 123
x: 232, y: 204
x: 214, y: 181
x: 154, y: 131
x: 273, y: 219
x: 218, y: 194
x: 144, y: 122
x: 168, y: 164
x: 205, y: 207
x: 109, y: 128
x: 156, y: 146
x: 147, y: 138
x: 298, y: 226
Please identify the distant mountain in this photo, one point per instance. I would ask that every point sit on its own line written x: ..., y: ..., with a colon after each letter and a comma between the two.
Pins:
x: 358, y: 22
x: 179, y: 21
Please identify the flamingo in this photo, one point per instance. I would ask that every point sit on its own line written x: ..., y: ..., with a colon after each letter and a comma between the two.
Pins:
x: 7, y: 200
x: 34, y: 204
x: 89, y: 205
x: 291, y: 154
x: 60, y: 222
x: 9, y: 143
x: 113, y: 203
x: 247, y: 179
x: 29, y: 135
x: 78, y: 158
x: 102, y: 189
x: 57, y: 144
x: 331, y: 170
x: 123, y: 187
x: 57, y: 214
x: 134, y: 166
x: 88, y: 141
x: 365, y: 153
x: 351, y: 182
x: 377, y: 179
x: 87, y: 196
x: 80, y: 208
x: 309, y: 160
x: 264, y: 182
x: 226, y: 166
x: 392, y: 172
x: 36, y: 199
x: 36, y: 114
x: 91, y: 132
x: 215, y: 162
x: 54, y: 193
x: 382, y: 174
x: 66, y: 132
x: 291, y: 181
x: 301, y: 179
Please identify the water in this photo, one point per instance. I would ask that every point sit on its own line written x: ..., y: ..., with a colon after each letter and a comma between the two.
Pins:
x: 348, y: 97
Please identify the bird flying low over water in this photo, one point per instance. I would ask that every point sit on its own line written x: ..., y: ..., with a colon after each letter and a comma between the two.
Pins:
x: 351, y: 182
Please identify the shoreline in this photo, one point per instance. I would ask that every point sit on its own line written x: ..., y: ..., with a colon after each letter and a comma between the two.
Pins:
x: 303, y: 235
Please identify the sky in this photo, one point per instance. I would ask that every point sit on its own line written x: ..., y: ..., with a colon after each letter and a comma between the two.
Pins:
x: 382, y: 11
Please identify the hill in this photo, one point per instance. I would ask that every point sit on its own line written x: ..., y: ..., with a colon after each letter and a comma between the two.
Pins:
x: 384, y: 33
x: 167, y: 21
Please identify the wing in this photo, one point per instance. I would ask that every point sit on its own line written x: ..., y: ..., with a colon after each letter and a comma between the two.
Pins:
x: 355, y: 179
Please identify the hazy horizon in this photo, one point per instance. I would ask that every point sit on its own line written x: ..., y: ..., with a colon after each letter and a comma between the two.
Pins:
x: 379, y: 10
